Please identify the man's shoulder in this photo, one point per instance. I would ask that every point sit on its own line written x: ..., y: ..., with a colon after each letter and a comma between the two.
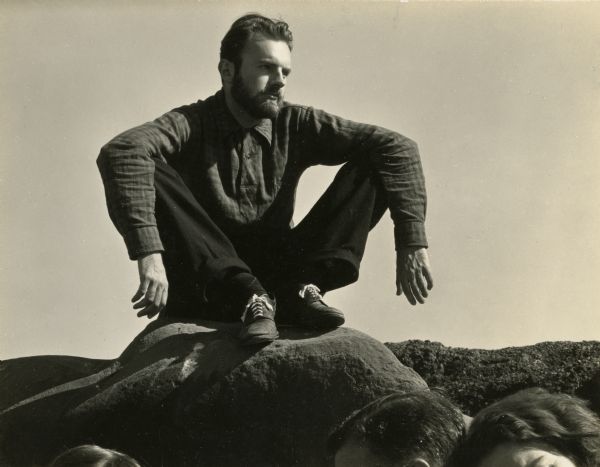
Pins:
x: 198, y: 107
x: 293, y: 114
x: 201, y: 113
x: 295, y: 108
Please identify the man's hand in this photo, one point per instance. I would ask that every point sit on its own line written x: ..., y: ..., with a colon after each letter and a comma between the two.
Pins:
x: 413, y: 274
x: 152, y: 293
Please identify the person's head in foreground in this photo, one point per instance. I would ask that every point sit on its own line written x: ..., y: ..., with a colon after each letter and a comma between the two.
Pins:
x: 533, y: 428
x: 416, y: 429
x: 93, y: 456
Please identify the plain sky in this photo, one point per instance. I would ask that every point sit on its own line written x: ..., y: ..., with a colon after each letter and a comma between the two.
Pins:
x: 503, y: 99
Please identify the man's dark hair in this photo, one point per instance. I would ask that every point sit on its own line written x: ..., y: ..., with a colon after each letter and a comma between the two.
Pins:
x: 90, y: 455
x: 246, y: 27
x: 402, y: 426
x: 562, y: 422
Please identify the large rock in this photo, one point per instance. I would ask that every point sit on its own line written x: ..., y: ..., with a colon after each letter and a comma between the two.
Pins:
x: 188, y: 394
x: 473, y: 378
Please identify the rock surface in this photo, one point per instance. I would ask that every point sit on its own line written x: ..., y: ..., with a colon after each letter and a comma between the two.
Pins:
x: 187, y: 394
x: 473, y: 378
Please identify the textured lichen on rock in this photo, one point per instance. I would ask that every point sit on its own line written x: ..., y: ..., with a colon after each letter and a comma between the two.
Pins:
x: 474, y: 377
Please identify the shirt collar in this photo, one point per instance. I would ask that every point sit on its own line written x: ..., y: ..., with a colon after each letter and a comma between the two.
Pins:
x: 227, y: 123
x: 265, y: 128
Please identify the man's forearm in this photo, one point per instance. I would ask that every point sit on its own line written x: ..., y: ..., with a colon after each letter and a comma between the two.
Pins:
x: 399, y: 166
x: 130, y: 197
x: 126, y: 164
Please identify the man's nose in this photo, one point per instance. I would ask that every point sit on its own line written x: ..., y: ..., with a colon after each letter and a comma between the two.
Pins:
x: 278, y: 79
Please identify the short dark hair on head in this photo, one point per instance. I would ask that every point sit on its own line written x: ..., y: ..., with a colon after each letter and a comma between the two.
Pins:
x: 560, y: 421
x: 246, y: 27
x: 403, y: 426
x: 90, y: 455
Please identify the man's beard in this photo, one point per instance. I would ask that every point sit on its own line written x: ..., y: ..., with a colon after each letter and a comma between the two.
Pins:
x: 259, y: 105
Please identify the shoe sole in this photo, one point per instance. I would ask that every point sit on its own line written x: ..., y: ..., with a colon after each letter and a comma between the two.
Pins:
x: 325, y: 321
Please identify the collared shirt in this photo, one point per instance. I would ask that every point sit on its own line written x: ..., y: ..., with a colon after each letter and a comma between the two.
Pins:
x: 243, y: 175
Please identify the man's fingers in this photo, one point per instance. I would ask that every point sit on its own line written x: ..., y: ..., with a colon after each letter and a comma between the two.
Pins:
x: 158, y: 304
x: 157, y: 296
x: 152, y: 290
x: 408, y: 292
x: 152, y: 312
x: 422, y: 286
x: 139, y: 294
x: 146, y: 311
x: 151, y: 297
x: 151, y: 307
x: 414, y: 287
x: 141, y: 291
x: 141, y: 304
x: 428, y: 277
x: 159, y: 301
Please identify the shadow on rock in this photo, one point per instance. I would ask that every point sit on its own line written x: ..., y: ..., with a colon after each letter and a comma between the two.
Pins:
x: 187, y: 393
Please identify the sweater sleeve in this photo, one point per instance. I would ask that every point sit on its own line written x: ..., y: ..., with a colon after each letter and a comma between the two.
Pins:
x: 126, y: 164
x: 332, y: 140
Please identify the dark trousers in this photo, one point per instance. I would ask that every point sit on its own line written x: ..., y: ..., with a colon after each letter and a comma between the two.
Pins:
x: 325, y: 248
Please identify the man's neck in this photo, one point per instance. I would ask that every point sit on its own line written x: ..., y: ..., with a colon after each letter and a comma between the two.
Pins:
x: 243, y: 118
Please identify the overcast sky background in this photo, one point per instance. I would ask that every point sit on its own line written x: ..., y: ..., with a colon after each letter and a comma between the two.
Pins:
x: 503, y: 99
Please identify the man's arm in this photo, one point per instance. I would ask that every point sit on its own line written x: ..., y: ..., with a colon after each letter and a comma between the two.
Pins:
x: 333, y: 140
x: 126, y: 165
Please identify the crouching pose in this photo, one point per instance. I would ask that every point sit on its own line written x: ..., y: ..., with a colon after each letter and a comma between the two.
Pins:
x: 204, y: 197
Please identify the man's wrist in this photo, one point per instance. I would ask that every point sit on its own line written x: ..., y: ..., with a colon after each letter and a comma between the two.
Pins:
x: 410, y: 234
x: 146, y: 255
x: 409, y: 249
x: 142, y: 242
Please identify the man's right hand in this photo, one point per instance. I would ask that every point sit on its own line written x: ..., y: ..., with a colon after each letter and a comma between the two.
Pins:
x: 152, y: 293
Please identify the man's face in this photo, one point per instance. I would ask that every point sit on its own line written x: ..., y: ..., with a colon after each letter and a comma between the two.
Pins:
x: 259, y: 82
x: 519, y: 455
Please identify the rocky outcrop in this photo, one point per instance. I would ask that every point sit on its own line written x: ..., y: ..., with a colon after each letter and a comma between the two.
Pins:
x: 473, y: 378
x: 187, y: 394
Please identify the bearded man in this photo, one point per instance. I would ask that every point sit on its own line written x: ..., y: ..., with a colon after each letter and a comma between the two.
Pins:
x: 204, y: 197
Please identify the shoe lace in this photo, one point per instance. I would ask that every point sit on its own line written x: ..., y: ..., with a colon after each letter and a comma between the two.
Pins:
x: 257, y: 306
x: 310, y: 292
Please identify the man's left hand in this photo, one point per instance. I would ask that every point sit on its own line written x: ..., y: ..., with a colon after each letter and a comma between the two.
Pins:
x: 413, y: 274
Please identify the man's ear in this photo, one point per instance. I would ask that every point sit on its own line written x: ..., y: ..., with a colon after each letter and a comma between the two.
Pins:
x: 227, y: 71
x: 418, y: 462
